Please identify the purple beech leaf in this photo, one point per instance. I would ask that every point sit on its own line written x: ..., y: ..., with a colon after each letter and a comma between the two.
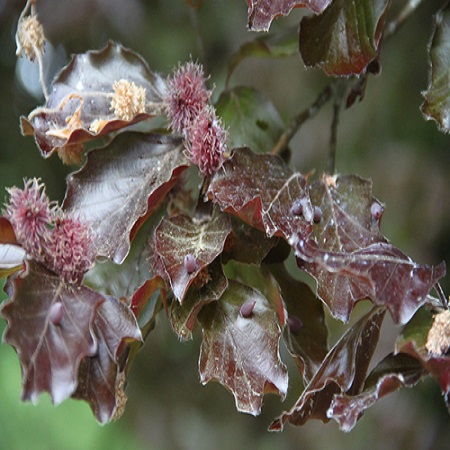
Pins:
x: 7, y: 235
x: 282, y: 44
x: 179, y: 236
x: 412, y: 341
x: 391, y: 374
x: 79, y: 106
x: 343, y: 371
x: 184, y: 317
x: 100, y: 380
x: 247, y: 244
x: 251, y: 118
x: 261, y: 189
x: 379, y: 272
x: 242, y: 353
x: 49, y: 351
x: 11, y: 259
x: 121, y: 183
x: 306, y: 333
x: 344, y: 39
x: 351, y: 260
x: 437, y: 97
x: 262, y: 12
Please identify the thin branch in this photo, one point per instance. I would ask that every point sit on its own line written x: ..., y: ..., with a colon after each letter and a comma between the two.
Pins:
x: 301, y: 118
x: 404, y: 14
x: 441, y: 295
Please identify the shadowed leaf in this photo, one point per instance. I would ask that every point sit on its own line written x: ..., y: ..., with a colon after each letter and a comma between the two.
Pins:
x: 7, y: 235
x: 240, y: 352
x: 350, y: 259
x: 343, y: 371
x: 50, y: 327
x: 184, y: 317
x: 413, y: 341
x: 306, y: 332
x: 262, y: 12
x: 79, y: 106
x: 121, y: 183
x: 261, y: 189
x: 180, y: 236
x: 100, y: 380
x: 251, y: 118
x: 344, y: 39
x: 391, y: 374
x: 281, y: 44
x: 437, y: 97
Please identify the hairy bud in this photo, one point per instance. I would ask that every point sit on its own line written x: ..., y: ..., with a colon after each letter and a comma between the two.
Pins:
x: 438, y: 341
x: 30, y: 37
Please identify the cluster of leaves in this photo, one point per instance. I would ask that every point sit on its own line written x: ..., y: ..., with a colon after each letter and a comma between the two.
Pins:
x: 215, y: 259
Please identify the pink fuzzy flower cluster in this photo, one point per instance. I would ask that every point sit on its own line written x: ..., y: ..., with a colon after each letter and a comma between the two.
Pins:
x: 64, y: 244
x: 187, y: 107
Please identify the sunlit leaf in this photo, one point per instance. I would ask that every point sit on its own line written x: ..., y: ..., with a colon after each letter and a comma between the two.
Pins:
x: 240, y: 352
x: 351, y: 260
x: 100, y: 379
x: 184, y: 317
x: 391, y: 374
x: 11, y: 259
x: 343, y: 371
x: 50, y: 327
x: 437, y: 96
x: 79, y: 106
x: 180, y: 237
x: 121, y: 183
x: 261, y: 190
x: 344, y: 39
x: 306, y: 332
x: 262, y: 12
x: 251, y: 118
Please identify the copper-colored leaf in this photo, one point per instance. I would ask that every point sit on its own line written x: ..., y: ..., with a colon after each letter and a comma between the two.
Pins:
x: 394, y: 372
x: 242, y: 352
x: 100, y: 378
x: 350, y: 258
x: 121, y: 183
x: 180, y: 237
x: 343, y: 371
x: 79, y: 106
x: 50, y: 327
x: 262, y: 12
x: 344, y: 39
x: 184, y: 317
x: 261, y: 190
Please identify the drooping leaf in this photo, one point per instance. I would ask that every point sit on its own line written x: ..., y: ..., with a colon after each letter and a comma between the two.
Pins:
x: 184, y: 317
x: 350, y: 259
x: 391, y: 374
x: 180, y: 237
x: 11, y: 259
x: 437, y: 97
x: 50, y: 327
x: 100, y: 377
x: 261, y: 190
x: 240, y: 352
x: 121, y: 183
x: 344, y: 39
x: 282, y: 44
x: 412, y: 341
x: 251, y: 118
x: 79, y: 106
x: 306, y: 333
x: 247, y: 244
x: 343, y: 371
x: 262, y: 12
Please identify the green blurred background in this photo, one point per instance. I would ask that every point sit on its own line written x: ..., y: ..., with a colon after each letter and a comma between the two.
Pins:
x: 384, y: 137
